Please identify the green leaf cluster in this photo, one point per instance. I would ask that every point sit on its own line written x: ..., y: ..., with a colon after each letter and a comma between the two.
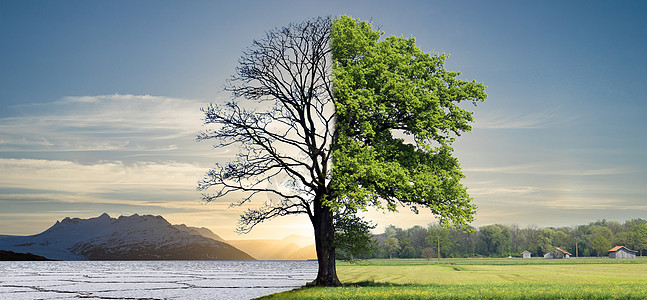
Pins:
x: 353, y: 237
x: 398, y: 112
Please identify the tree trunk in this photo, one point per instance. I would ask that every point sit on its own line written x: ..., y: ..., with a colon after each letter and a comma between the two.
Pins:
x: 324, y: 235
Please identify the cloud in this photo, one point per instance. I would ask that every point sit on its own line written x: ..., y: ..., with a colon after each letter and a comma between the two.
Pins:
x: 509, y: 120
x: 518, y: 191
x: 552, y: 168
x: 102, y: 177
x: 102, y: 123
x: 88, y: 200
x: 169, y: 184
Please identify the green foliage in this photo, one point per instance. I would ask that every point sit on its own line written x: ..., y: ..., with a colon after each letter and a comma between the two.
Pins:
x: 508, y: 240
x: 353, y: 238
x: 546, y: 236
x: 601, y: 245
x: 392, y: 245
x: 600, y: 238
x: 602, y: 231
x: 496, y: 239
x: 640, y: 236
x: 397, y: 115
x: 448, y: 240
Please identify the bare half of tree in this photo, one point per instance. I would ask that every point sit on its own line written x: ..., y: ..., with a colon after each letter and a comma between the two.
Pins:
x: 282, y: 120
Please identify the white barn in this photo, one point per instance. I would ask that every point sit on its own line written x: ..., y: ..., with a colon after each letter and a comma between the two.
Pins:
x: 526, y: 254
x: 622, y: 252
x: 557, y: 253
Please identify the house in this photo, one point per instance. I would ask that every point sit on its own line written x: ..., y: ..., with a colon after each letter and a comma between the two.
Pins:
x: 622, y: 252
x: 557, y: 253
x: 526, y: 254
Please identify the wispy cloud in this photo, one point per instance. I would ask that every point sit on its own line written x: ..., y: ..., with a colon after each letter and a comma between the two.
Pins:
x: 521, y: 120
x: 169, y: 185
x: 192, y: 204
x: 552, y: 168
x: 575, y: 202
x: 104, y: 123
x: 518, y: 191
x: 102, y: 177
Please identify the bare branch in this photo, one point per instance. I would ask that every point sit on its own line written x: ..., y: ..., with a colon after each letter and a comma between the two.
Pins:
x: 284, y: 147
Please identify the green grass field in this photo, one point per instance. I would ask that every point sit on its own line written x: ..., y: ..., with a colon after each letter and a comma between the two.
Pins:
x: 537, y: 278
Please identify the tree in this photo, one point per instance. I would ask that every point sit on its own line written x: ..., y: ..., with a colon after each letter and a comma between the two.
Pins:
x: 323, y: 144
x: 640, y: 235
x: 428, y: 253
x: 418, y: 238
x: 601, y: 238
x: 546, y: 240
x: 441, y: 239
x: 391, y: 231
x: 392, y: 246
x: 601, y: 245
x: 495, y: 239
x: 625, y: 238
x: 352, y: 237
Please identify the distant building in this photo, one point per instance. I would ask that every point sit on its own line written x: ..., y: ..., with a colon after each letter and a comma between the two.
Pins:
x: 557, y: 253
x: 622, y: 252
x: 526, y: 254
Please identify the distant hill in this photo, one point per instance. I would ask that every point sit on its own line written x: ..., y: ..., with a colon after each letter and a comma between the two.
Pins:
x: 10, y: 255
x: 125, y: 238
x: 306, y: 253
x: 205, y: 232
x: 289, y: 248
x: 300, y: 240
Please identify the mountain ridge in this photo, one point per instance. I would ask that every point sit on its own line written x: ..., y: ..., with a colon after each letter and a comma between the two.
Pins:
x: 132, y: 237
x: 203, y: 231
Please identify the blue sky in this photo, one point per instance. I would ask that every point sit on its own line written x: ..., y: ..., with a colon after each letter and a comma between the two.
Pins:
x: 99, y: 105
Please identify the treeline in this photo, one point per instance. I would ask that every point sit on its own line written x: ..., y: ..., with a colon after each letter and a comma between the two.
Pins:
x: 594, y: 239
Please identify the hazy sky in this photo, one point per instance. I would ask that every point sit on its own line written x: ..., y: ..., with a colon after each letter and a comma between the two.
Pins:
x: 100, y: 105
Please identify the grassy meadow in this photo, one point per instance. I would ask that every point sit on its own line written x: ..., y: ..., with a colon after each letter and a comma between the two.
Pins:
x: 536, y: 278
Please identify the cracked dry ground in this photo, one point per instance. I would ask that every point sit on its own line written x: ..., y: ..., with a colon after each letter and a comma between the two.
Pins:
x: 118, y: 280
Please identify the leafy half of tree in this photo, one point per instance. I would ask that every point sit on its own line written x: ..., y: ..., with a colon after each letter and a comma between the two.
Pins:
x: 397, y: 115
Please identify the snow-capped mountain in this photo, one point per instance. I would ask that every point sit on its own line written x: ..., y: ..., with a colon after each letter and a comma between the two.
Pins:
x: 133, y: 237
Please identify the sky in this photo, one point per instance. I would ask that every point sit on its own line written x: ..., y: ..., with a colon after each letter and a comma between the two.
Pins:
x: 100, y: 106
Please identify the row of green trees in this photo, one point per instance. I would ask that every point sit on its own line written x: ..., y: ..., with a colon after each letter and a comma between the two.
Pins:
x: 497, y: 240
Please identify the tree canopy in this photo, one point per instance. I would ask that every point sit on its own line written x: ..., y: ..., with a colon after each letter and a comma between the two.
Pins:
x: 398, y: 113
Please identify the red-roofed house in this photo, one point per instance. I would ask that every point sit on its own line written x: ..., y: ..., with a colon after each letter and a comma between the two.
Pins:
x: 557, y: 253
x: 622, y: 252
